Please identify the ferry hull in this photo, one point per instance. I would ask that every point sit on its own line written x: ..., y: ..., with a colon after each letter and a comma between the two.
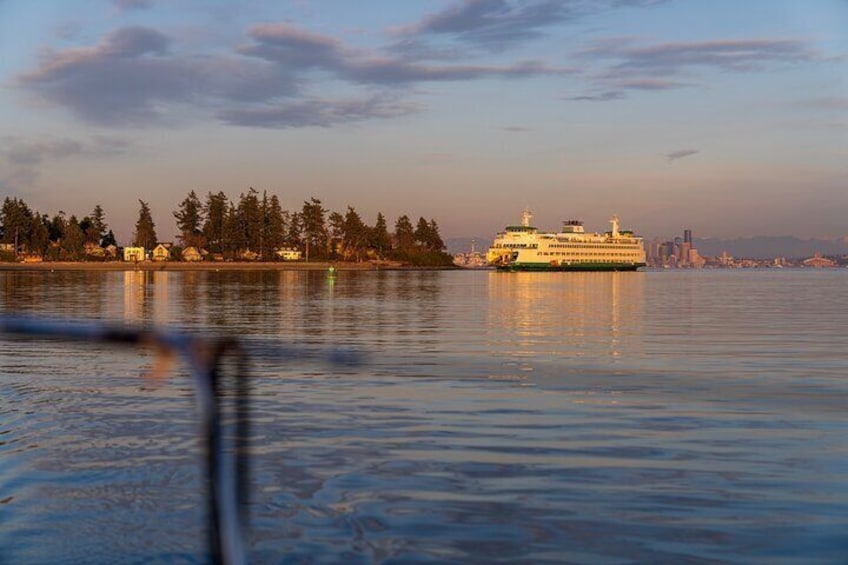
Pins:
x: 573, y: 267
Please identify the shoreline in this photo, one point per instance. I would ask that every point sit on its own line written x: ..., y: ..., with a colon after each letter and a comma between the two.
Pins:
x: 214, y: 266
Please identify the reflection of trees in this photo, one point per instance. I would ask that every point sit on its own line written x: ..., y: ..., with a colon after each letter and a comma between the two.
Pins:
x: 565, y: 314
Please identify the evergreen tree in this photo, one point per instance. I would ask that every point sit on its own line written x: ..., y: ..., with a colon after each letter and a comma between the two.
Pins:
x: 57, y: 227
x: 145, y: 230
x: 189, y: 218
x: 109, y: 239
x: 275, y: 226
x: 336, y: 234
x: 74, y: 240
x: 16, y: 218
x: 249, y: 222
x: 97, y: 229
x: 436, y: 242
x: 39, y: 236
x: 215, y: 211
x: 355, y: 236
x: 314, y: 231
x: 404, y: 234
x: 379, y: 238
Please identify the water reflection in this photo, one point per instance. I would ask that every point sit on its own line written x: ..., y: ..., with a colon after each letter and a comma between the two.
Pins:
x: 566, y: 314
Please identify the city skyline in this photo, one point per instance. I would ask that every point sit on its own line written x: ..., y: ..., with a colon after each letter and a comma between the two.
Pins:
x: 727, y: 119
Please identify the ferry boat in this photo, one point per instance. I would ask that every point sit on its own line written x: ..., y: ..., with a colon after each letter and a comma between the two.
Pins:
x: 525, y: 248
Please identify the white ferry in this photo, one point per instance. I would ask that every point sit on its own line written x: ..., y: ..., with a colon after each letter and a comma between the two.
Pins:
x: 524, y: 248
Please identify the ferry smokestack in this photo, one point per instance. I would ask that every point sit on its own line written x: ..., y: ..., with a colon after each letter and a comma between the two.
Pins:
x: 614, y: 222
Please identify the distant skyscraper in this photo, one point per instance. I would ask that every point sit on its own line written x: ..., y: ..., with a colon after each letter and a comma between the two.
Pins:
x: 687, y: 236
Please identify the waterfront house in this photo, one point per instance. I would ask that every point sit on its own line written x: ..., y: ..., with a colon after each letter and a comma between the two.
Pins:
x: 161, y: 252
x: 111, y: 251
x: 135, y: 254
x: 289, y: 254
x: 94, y: 250
x: 192, y: 254
x: 249, y: 255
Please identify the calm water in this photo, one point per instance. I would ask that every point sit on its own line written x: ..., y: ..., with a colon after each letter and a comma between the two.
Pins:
x: 659, y: 417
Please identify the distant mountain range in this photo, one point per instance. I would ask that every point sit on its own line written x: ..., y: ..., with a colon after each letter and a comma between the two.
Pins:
x: 766, y: 247
x: 760, y: 247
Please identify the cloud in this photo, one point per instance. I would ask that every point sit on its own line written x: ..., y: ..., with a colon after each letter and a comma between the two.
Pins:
x: 497, y: 24
x: 492, y: 22
x: 22, y: 158
x: 119, y: 81
x: 517, y: 129
x: 297, y: 51
x: 669, y: 66
x: 318, y: 112
x: 600, y: 97
x: 667, y: 59
x: 128, y: 5
x: 135, y: 76
x: 680, y: 154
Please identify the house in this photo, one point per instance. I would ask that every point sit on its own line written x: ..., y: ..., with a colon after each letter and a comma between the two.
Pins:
x: 94, y: 250
x: 192, y: 254
x: 161, y: 252
x: 134, y: 254
x: 249, y: 255
x: 289, y: 254
x: 111, y: 251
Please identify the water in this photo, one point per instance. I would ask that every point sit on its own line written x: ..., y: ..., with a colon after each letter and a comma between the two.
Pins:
x: 662, y: 417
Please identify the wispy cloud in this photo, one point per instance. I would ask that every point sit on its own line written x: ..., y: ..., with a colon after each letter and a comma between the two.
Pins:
x: 517, y: 129
x: 497, y: 24
x: 22, y: 158
x: 628, y: 66
x: 667, y: 59
x: 128, y: 5
x: 297, y: 50
x: 318, y: 112
x: 600, y: 97
x: 680, y: 154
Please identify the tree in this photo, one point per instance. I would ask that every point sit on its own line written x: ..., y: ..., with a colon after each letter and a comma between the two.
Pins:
x: 109, y: 239
x: 314, y: 231
x: 404, y: 234
x: 336, y: 233
x: 189, y: 218
x: 39, y: 235
x: 379, y: 238
x: 275, y: 226
x: 355, y: 236
x: 16, y: 218
x: 249, y: 222
x: 74, y: 240
x: 215, y: 211
x: 97, y: 226
x: 145, y: 229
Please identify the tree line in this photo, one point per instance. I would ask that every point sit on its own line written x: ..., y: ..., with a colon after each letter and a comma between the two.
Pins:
x: 253, y: 226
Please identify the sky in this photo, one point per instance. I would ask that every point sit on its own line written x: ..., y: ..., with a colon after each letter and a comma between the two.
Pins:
x: 728, y: 118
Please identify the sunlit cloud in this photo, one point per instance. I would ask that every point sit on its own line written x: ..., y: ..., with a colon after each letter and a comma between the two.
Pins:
x: 680, y: 154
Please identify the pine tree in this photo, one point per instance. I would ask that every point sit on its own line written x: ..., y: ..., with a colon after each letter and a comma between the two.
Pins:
x: 215, y: 211
x: 97, y: 228
x: 379, y: 238
x: 145, y: 229
x: 404, y: 234
x: 314, y: 230
x: 74, y: 240
x: 189, y: 218
x: 275, y: 226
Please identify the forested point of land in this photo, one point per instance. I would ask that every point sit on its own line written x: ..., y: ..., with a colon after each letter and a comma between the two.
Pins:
x: 255, y: 227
